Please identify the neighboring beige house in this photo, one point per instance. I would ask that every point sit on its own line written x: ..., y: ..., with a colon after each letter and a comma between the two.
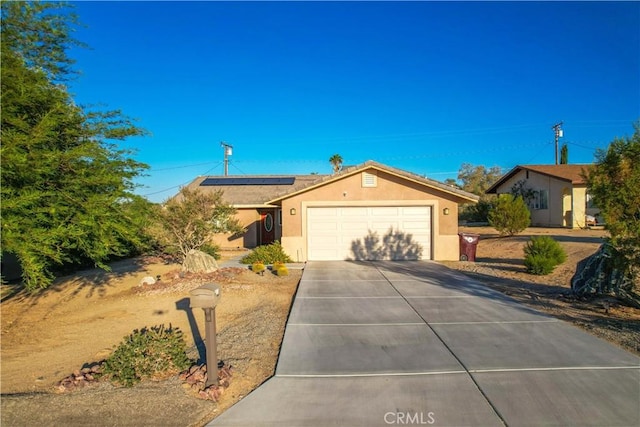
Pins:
x: 559, y: 194
x: 369, y: 211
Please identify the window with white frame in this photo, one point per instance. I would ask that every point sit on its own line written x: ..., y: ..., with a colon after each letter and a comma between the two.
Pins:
x: 540, y: 200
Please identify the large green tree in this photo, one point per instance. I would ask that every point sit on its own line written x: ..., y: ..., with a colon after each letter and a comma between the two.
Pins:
x: 477, y: 180
x: 614, y: 183
x: 64, y: 181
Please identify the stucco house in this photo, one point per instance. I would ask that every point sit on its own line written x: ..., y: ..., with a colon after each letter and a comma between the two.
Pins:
x: 368, y: 211
x: 559, y: 195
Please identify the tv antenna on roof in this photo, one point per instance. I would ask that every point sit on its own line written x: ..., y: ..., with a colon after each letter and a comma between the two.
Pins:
x: 228, y: 150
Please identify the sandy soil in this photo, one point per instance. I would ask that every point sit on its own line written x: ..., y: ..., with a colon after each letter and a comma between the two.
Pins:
x: 499, y: 264
x: 79, y: 320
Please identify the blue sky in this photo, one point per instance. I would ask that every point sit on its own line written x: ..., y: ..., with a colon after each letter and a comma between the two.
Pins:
x: 422, y: 86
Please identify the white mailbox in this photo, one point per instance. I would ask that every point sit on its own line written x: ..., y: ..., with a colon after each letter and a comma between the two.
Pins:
x: 206, y: 296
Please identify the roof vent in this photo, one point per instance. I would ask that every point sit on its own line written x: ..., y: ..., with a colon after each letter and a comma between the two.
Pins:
x: 369, y: 179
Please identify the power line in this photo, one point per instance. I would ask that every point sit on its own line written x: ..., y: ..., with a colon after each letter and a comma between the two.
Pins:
x: 183, y: 184
x: 180, y: 167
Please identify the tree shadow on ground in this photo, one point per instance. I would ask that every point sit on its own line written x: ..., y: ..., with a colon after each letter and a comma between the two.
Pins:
x: 512, y: 264
x: 589, y: 313
x: 394, y: 245
x: 526, y: 236
x: 90, y: 282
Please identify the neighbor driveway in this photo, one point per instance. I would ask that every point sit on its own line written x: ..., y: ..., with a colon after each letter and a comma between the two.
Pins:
x: 415, y: 343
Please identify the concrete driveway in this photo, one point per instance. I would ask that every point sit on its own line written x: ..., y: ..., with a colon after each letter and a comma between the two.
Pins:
x: 415, y: 343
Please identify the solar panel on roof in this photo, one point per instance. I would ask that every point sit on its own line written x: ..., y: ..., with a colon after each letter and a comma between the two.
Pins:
x: 287, y: 180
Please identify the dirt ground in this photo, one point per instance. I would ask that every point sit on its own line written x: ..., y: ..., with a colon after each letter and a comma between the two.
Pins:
x: 500, y: 265
x: 81, y: 318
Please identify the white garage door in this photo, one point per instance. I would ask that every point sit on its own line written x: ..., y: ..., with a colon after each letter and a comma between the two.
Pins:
x: 369, y: 233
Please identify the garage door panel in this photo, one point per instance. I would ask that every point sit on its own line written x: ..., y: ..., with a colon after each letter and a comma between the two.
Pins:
x: 322, y: 240
x: 384, y: 211
x: 416, y: 211
x: 324, y: 226
x: 339, y: 233
x: 355, y: 225
x: 354, y: 212
x: 412, y: 225
x: 384, y: 226
x: 323, y: 213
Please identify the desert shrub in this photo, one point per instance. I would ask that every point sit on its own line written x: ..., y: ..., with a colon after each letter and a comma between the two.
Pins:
x: 509, y: 215
x: 477, y: 212
x: 211, y: 249
x: 267, y: 254
x: 154, y: 352
x: 542, y: 255
x: 282, y: 271
x: 258, y: 267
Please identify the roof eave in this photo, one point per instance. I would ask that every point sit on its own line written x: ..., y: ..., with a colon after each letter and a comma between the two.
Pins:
x: 374, y: 165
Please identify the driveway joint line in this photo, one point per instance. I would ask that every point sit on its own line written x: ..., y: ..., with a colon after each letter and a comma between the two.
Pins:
x: 346, y: 297
x: 566, y: 368
x: 484, y: 395
x: 441, y: 296
x: 497, y: 322
x: 377, y: 374
x: 358, y: 324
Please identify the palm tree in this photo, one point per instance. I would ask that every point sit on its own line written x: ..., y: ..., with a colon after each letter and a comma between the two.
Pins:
x: 336, y: 162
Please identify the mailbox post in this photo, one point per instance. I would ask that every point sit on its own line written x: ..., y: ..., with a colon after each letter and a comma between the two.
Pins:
x: 207, y: 297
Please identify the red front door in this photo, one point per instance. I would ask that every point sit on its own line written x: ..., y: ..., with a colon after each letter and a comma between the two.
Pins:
x: 267, y: 227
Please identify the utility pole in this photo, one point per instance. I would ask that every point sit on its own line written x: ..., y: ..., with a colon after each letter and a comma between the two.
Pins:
x: 228, y: 150
x: 557, y: 128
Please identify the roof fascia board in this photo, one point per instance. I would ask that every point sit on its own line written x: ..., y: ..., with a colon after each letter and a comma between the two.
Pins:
x: 255, y: 206
x: 364, y: 167
x: 493, y: 189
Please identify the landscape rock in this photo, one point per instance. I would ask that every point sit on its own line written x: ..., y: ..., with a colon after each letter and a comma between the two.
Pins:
x: 147, y: 280
x: 199, y: 262
x: 80, y: 378
x: 195, y: 378
x: 598, y: 274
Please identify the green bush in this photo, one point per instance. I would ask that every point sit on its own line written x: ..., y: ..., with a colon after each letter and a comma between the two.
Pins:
x: 211, y: 249
x: 155, y: 352
x: 476, y: 212
x: 267, y: 254
x: 509, y: 215
x: 542, y: 255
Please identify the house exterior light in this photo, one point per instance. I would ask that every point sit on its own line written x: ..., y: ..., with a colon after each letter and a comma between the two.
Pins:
x: 292, y: 211
x: 445, y: 211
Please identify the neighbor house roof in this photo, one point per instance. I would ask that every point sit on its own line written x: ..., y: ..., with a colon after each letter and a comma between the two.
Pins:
x: 569, y: 173
x: 370, y: 164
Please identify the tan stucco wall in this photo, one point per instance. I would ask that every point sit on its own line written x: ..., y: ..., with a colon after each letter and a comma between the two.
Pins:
x: 250, y: 219
x: 390, y: 190
x: 567, y: 203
